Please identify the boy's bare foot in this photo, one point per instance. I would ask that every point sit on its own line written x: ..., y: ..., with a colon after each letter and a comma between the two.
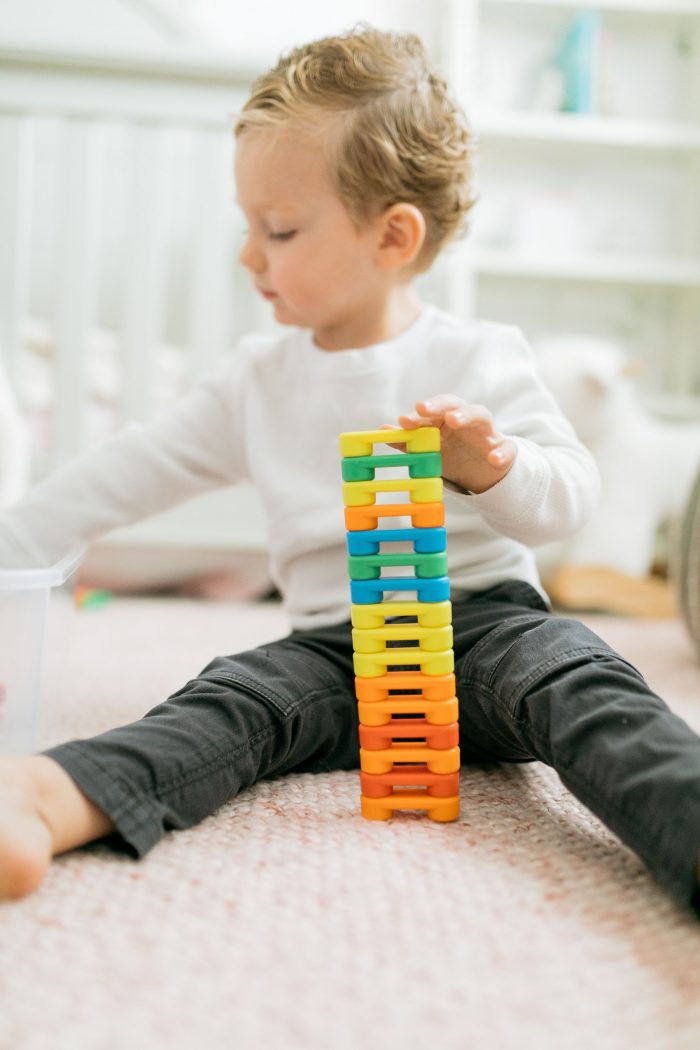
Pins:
x: 42, y: 812
x: 26, y: 842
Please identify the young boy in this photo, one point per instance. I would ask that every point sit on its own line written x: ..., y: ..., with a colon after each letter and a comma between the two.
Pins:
x: 353, y: 170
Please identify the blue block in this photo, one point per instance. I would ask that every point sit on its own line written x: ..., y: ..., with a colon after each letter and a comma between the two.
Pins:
x: 425, y: 541
x: 431, y: 589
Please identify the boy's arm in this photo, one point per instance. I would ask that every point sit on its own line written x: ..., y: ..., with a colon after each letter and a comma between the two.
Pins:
x: 518, y: 461
x: 142, y: 470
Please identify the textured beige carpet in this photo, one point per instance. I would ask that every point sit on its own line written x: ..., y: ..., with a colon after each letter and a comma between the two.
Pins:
x: 286, y: 922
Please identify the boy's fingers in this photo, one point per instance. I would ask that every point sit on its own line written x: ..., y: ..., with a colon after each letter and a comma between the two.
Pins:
x: 401, y: 445
x: 439, y: 404
x: 431, y: 411
x: 410, y: 421
x: 503, y: 454
x: 474, y: 416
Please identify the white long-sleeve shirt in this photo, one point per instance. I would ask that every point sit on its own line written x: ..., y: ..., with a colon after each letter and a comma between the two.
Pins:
x: 272, y: 413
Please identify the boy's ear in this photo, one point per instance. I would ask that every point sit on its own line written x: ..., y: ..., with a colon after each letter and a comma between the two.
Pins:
x: 401, y: 236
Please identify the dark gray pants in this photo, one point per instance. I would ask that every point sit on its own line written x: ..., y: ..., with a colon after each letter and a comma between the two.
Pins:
x: 531, y: 685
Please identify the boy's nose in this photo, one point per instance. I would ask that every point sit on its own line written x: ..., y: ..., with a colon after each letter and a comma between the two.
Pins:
x: 251, y: 257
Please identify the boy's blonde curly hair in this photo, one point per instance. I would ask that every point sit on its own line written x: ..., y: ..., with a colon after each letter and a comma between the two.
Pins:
x: 396, y: 134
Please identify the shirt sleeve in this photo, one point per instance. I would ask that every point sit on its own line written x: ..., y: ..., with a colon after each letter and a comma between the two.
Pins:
x: 553, y: 485
x: 146, y: 468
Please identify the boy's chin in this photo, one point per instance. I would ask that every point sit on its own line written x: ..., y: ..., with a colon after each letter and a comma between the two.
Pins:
x: 284, y: 316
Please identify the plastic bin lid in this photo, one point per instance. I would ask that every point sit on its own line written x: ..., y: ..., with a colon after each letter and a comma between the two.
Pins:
x: 52, y: 576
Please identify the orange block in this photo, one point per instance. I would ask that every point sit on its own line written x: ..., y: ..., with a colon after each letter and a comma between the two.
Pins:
x: 422, y: 515
x: 445, y: 760
x: 432, y: 686
x: 376, y: 737
x: 443, y: 809
x: 381, y: 785
x: 436, y: 712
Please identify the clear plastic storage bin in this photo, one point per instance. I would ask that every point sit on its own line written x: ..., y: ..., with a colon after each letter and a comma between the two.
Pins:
x: 25, y: 598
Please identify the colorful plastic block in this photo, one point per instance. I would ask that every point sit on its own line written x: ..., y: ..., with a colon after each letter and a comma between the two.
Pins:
x: 375, y: 639
x: 437, y: 761
x: 426, y: 614
x: 374, y: 738
x: 360, y: 442
x: 431, y: 589
x: 442, y: 809
x: 425, y: 541
x: 380, y: 712
x: 369, y: 566
x: 418, y: 464
x: 91, y: 597
x: 372, y: 665
x: 422, y: 515
x: 381, y: 785
x: 364, y: 493
x: 429, y: 687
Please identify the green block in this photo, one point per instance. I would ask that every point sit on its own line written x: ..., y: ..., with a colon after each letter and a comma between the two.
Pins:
x: 369, y: 566
x: 420, y: 465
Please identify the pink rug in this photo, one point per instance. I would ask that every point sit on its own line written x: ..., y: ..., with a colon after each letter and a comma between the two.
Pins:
x: 287, y: 922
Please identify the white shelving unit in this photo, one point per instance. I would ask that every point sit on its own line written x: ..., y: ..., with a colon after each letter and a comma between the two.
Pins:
x: 588, y: 221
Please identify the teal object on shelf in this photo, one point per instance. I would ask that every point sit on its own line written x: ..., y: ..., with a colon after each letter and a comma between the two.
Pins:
x: 578, y: 60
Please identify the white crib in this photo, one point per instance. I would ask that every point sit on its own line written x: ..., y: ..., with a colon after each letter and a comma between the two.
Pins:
x: 118, y: 276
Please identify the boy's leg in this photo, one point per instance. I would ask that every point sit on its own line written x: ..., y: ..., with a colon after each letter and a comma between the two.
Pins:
x: 286, y: 706
x: 537, y: 686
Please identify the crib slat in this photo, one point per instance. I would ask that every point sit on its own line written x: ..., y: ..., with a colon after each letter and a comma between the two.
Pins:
x: 213, y: 243
x: 78, y: 237
x: 16, y: 170
x: 145, y: 265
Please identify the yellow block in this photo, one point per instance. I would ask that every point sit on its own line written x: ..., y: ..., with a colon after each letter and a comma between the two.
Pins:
x: 428, y: 614
x: 374, y: 639
x: 437, y: 760
x: 360, y: 442
x: 364, y: 493
x: 371, y: 665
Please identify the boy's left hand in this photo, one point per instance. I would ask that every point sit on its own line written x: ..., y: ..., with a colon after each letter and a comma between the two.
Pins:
x: 475, y: 455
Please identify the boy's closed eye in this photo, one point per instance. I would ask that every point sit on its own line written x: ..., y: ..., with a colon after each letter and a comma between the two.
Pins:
x: 282, y: 235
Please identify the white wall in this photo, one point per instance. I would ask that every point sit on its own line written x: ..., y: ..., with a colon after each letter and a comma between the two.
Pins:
x: 253, y: 34
x: 275, y: 26
x: 70, y: 25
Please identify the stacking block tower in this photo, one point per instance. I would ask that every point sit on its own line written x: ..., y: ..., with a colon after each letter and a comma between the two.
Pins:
x: 403, y: 656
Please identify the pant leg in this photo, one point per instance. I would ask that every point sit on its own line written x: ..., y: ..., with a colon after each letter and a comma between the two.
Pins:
x: 533, y: 685
x: 285, y: 706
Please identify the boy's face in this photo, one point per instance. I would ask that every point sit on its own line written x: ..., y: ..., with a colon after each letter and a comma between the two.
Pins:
x: 302, y: 250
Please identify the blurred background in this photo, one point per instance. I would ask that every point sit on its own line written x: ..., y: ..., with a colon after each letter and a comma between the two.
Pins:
x: 119, y: 281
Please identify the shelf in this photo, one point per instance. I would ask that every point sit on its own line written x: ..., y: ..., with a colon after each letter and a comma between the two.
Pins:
x: 585, y: 130
x: 670, y: 8
x: 616, y: 269
x: 676, y: 407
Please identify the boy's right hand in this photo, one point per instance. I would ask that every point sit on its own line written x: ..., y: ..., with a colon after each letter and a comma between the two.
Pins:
x: 475, y: 456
